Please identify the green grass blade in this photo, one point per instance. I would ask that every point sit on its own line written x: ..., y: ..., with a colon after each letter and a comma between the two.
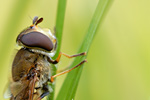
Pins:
x: 59, y: 29
x: 59, y: 23
x: 70, y: 84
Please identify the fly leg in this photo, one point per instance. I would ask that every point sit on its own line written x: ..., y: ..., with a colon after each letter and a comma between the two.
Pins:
x: 68, y: 56
x: 43, y: 95
x: 66, y: 71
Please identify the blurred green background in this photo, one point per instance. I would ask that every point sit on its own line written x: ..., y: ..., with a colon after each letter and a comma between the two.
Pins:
x: 119, y: 58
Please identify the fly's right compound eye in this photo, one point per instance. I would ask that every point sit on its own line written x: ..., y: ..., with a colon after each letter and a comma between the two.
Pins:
x: 37, y: 39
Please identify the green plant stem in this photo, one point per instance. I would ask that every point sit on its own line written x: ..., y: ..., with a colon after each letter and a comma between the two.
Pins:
x: 70, y: 84
x: 59, y: 29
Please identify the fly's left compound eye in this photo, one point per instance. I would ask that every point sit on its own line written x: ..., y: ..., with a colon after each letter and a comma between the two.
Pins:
x: 37, y: 39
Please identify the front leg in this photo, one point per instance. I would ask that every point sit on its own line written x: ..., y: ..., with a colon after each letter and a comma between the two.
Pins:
x: 66, y: 55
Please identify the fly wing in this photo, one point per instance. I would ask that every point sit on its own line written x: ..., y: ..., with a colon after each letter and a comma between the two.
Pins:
x: 14, y: 88
x: 7, y: 93
x: 17, y: 87
x: 21, y: 74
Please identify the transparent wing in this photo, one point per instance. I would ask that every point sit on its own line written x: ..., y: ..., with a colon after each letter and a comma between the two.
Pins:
x: 14, y: 88
x: 7, y: 93
x: 17, y: 87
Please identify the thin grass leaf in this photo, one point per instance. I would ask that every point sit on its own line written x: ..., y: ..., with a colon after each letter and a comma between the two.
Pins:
x: 70, y: 84
x: 59, y: 29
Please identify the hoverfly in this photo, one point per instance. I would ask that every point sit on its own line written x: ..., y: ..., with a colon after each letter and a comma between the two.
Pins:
x: 31, y: 68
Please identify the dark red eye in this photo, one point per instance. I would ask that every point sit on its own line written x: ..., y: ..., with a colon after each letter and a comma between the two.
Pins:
x: 37, y: 39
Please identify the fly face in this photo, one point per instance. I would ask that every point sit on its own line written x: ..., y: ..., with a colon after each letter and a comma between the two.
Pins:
x: 37, y: 39
x: 31, y: 68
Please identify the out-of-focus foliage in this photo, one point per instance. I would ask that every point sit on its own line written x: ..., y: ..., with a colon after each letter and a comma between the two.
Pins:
x: 118, y: 61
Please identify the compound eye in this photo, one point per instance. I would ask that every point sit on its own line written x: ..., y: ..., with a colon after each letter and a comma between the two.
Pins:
x: 37, y: 39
